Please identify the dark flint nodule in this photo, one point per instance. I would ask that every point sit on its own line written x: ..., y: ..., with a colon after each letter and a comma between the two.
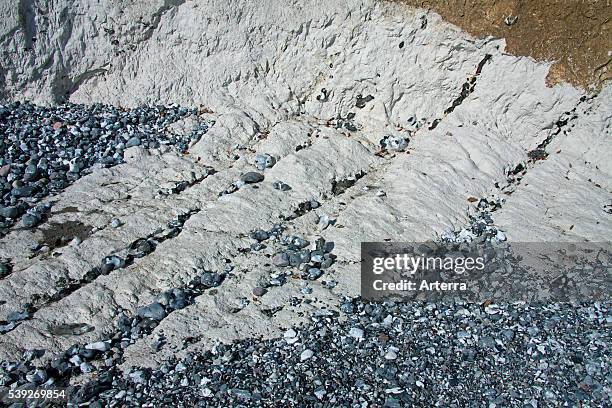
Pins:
x: 252, y: 177
x: 279, y: 185
x: 210, y: 279
x: 154, y: 311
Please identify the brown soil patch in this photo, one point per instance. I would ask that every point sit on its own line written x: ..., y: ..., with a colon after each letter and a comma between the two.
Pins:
x: 573, y: 33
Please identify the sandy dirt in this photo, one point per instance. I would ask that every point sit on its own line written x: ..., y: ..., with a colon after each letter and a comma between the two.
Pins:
x: 575, y: 34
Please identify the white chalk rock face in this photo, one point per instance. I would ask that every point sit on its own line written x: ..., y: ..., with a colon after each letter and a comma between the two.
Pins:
x: 317, y: 85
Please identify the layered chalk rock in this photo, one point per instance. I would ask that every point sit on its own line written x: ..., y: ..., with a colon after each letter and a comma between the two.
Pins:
x: 316, y: 85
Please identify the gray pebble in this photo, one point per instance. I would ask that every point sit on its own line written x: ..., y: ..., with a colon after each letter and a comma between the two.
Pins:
x: 134, y: 141
x: 17, y: 316
x: 210, y: 279
x: 260, y: 235
x: 251, y: 177
x: 11, y: 212
x: 31, y: 220
x: 259, y: 291
x: 264, y: 161
x: 99, y: 346
x: 306, y: 354
x: 5, y: 269
x: 154, y: 311
x: 394, y: 143
x: 5, y: 170
x: 356, y: 333
x: 314, y: 273
x: 279, y: 185
x: 25, y: 191
x: 30, y: 173
x: 281, y: 259
x: 38, y: 376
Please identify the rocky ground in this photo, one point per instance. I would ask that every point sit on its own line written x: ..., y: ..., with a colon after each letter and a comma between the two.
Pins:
x: 45, y: 149
x: 183, y: 203
x: 395, y: 355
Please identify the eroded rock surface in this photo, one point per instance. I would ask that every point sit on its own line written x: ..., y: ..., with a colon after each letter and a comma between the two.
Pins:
x: 317, y: 86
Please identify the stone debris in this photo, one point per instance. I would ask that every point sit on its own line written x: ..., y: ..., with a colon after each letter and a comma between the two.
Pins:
x: 279, y: 185
x: 252, y: 177
x: 154, y: 311
x: 45, y: 149
x: 264, y: 161
x: 394, y: 143
x: 415, y: 369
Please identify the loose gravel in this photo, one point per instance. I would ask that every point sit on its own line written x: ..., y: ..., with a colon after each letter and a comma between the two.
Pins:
x: 45, y: 149
x: 393, y: 355
x: 368, y: 354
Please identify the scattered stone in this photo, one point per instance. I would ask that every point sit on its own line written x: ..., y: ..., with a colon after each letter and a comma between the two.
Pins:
x: 264, y: 161
x: 324, y: 222
x: 356, y: 333
x: 317, y: 256
x: 99, y: 346
x: 154, y: 311
x: 391, y: 353
x: 138, y: 377
x: 5, y: 269
x: 5, y: 328
x: 133, y: 141
x: 281, y: 259
x: 279, y: 185
x: 18, y: 316
x: 298, y: 242
x: 24, y: 191
x: 37, y: 376
x: 394, y: 143
x: 259, y: 235
x: 31, y: 173
x: 110, y: 263
x: 31, y: 220
x: 510, y: 20
x: 320, y: 393
x: 70, y: 329
x: 328, y: 261
x: 314, y: 273
x: 241, y: 394
x: 251, y: 177
x: 45, y: 149
x: 423, y: 360
x: 500, y: 236
x: 259, y: 291
x: 210, y: 279
x: 362, y: 101
x: 306, y: 354
x: 11, y: 212
x: 5, y: 170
